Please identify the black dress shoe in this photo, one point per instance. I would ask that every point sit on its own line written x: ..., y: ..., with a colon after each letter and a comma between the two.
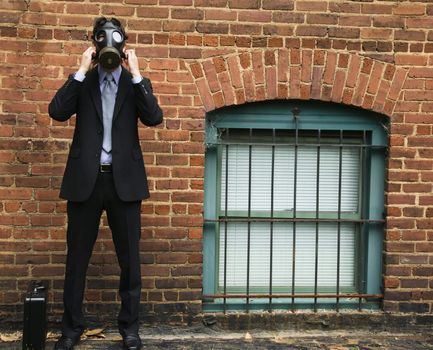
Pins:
x: 66, y: 343
x: 132, y: 342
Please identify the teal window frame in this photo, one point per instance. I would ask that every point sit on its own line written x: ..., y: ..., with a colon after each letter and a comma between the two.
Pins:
x: 313, y: 116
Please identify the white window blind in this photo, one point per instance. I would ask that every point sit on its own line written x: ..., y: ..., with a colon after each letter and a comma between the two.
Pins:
x: 282, y: 252
x: 284, y: 165
x: 239, y: 166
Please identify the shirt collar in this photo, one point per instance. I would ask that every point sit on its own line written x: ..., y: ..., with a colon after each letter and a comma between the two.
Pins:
x: 116, y: 74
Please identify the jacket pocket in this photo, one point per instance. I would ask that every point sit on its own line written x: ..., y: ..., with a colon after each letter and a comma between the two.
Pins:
x: 74, y: 152
x: 136, y: 154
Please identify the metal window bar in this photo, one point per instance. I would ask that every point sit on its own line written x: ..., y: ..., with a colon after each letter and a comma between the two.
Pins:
x: 225, y: 225
x: 316, y: 252
x: 340, y: 173
x: 250, y: 156
x: 249, y: 219
x: 363, y: 160
x: 306, y: 145
x: 271, y: 233
x: 295, y: 112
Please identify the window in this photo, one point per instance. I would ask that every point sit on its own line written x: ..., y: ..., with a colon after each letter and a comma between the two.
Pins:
x: 293, y: 206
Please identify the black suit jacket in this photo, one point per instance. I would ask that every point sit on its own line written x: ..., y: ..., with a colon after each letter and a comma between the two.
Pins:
x: 133, y: 102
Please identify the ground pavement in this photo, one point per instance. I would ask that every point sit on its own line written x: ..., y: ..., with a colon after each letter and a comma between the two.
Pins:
x: 201, y: 337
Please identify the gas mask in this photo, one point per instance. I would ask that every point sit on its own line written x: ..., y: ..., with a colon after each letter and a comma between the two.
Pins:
x: 109, y: 40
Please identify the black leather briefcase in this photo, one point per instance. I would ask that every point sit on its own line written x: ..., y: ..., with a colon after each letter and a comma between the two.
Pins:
x: 35, y: 316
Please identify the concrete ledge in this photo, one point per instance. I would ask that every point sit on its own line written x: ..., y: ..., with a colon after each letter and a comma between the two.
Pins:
x: 318, y: 321
x: 305, y: 320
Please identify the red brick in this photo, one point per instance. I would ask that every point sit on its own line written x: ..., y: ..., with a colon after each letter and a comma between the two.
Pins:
x: 227, y: 88
x: 397, y: 84
x: 295, y: 57
x: 360, y: 89
x: 422, y: 271
x: 271, y: 82
x: 186, y: 53
x: 269, y: 58
x: 311, y: 31
x: 410, y: 9
x: 193, y: 14
x: 258, y: 67
x: 375, y: 78
x: 397, y: 271
x: 340, y: 7
x: 261, y: 93
x: 173, y: 2
x: 391, y: 282
x: 311, y: 6
x: 244, y: 4
x: 376, y: 33
x: 173, y: 26
x: 211, y: 3
x: 245, y: 29
x: 326, y: 93
x: 295, y: 80
x: 388, y: 21
x: 275, y: 42
x: 410, y: 35
x: 419, y: 23
x: 421, y: 72
x: 248, y: 85
x: 319, y: 57
x: 316, y: 82
x: 211, y: 76
x: 220, y: 15
x: 288, y: 17
x: 240, y: 96
x: 337, y: 90
x: 254, y: 16
x: 78, y: 9
x: 242, y: 41
x: 376, y: 8
x: 245, y: 60
x: 414, y: 283
x: 353, y: 70
x: 355, y: 21
x: 322, y: 18
x: 382, y: 94
x: 410, y: 60
x: 307, y: 61
x: 278, y: 4
x: 331, y: 63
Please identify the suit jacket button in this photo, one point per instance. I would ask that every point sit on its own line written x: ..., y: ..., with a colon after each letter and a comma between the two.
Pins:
x: 96, y: 155
x: 99, y: 132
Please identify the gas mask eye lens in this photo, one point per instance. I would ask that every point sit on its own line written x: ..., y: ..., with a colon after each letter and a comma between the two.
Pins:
x: 117, y: 37
x: 100, y: 36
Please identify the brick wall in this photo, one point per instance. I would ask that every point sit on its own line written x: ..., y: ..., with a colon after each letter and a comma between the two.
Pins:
x: 201, y: 55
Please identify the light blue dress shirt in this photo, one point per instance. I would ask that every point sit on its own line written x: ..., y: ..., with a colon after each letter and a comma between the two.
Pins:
x: 106, y: 158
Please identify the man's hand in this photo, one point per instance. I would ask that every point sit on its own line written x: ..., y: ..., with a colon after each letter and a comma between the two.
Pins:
x: 131, y: 62
x: 86, y: 60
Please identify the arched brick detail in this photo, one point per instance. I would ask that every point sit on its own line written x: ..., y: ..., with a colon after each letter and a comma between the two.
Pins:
x: 259, y: 75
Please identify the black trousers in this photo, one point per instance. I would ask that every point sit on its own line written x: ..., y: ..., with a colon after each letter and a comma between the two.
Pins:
x: 83, y: 225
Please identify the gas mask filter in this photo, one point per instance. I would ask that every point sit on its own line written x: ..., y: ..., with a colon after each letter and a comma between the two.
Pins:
x: 109, y: 40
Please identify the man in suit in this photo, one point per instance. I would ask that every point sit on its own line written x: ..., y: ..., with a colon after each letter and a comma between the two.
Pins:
x: 104, y: 171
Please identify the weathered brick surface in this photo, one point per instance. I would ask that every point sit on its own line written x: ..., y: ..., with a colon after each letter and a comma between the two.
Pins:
x: 202, y: 55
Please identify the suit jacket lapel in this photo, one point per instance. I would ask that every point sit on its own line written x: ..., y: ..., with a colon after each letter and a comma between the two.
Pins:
x: 122, y: 91
x: 95, y: 91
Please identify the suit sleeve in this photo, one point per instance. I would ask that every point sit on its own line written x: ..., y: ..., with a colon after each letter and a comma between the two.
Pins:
x: 149, y: 111
x: 64, y: 103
